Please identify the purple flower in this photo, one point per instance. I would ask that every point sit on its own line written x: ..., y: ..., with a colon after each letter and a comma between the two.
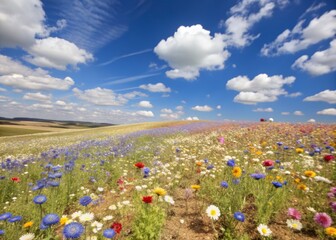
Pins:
x: 323, y: 219
x: 224, y: 184
x: 86, y: 200
x: 231, y: 163
x: 333, y: 206
x: 239, y: 216
x: 258, y: 176
x: 277, y: 184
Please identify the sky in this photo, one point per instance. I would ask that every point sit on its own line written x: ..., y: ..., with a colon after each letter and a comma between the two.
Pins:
x: 128, y: 61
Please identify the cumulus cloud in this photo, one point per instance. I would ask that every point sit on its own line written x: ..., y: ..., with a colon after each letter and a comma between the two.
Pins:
x: 158, y: 87
x: 190, y: 50
x: 168, y: 113
x: 262, y: 88
x: 263, y: 110
x: 192, y: 118
x: 294, y: 95
x: 328, y: 96
x: 16, y: 75
x: 145, y: 104
x: 299, y: 38
x: 311, y: 120
x: 37, y: 97
x: 285, y: 113
x: 243, y: 19
x: 145, y: 113
x: 298, y: 113
x: 53, y: 52
x: 327, y: 111
x: 204, y: 108
x: 321, y: 62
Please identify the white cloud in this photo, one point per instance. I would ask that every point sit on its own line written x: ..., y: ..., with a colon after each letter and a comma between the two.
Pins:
x: 168, y: 113
x: 158, y: 87
x: 285, y: 113
x: 100, y: 96
x: 41, y: 106
x: 145, y: 104
x: 56, y: 53
x: 328, y: 111
x: 20, y: 22
x: 60, y: 103
x: 16, y: 75
x: 299, y: 38
x: 219, y: 107
x: 321, y: 62
x: 311, y: 120
x: 192, y: 118
x: 293, y: 95
x: 298, y: 113
x: 262, y: 88
x: 3, y: 90
x: 204, y: 108
x: 145, y: 113
x: 328, y: 96
x: 263, y: 110
x: 190, y: 50
x: 37, y: 97
x: 243, y: 19
x: 166, y: 110
x: 179, y: 108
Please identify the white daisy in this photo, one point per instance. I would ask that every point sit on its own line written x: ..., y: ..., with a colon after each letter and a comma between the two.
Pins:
x: 264, y: 230
x: 169, y: 199
x: 213, y: 212
x: 27, y: 236
x: 76, y: 214
x: 86, y: 217
x: 295, y: 224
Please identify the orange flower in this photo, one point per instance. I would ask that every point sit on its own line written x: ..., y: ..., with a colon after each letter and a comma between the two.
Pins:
x: 302, y: 187
x: 299, y: 150
x: 199, y: 163
x: 310, y: 174
x: 297, y: 180
x: 28, y: 224
x: 236, y: 172
x: 331, y: 231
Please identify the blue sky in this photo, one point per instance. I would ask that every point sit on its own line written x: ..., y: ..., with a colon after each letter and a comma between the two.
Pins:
x: 140, y: 60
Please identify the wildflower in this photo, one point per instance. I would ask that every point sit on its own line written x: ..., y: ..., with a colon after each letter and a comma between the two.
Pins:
x: 239, y: 216
x: 231, y: 163
x: 76, y: 214
x: 236, y: 172
x: 2, y: 232
x: 86, y: 217
x: 107, y: 218
x: 322, y: 179
x: 86, y: 200
x: 73, y: 230
x: 220, y: 140
x: 323, y: 219
x: 27, y: 236
x: 28, y: 224
x: 268, y: 163
x: 195, y: 187
x: 277, y: 184
x: 116, y: 226
x: 147, y: 199
x: 50, y: 219
x: 64, y: 220
x: 109, y: 233
x: 14, y: 219
x: 294, y: 224
x: 198, y: 163
x: 159, y: 191
x: 139, y: 165
x: 264, y: 230
x: 258, y: 176
x: 294, y: 214
x: 310, y: 174
x: 331, y: 231
x: 40, y: 199
x: 333, y: 206
x: 328, y: 158
x: 188, y: 193
x: 16, y: 179
x: 169, y: 199
x: 224, y: 184
x: 213, y: 212
x: 5, y: 216
x: 302, y: 187
x: 299, y: 150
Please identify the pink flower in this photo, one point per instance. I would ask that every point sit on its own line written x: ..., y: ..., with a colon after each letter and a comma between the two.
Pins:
x: 221, y: 140
x: 323, y: 219
x: 333, y: 190
x: 293, y: 213
x: 333, y: 206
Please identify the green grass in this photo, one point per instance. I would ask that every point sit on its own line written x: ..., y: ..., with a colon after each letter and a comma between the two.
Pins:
x: 11, y: 131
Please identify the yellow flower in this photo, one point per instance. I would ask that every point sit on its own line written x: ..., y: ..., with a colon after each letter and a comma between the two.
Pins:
x: 302, y: 187
x: 259, y: 152
x: 310, y: 174
x: 297, y: 180
x: 299, y: 150
x: 28, y: 224
x: 195, y: 187
x: 331, y: 231
x: 64, y: 220
x: 236, y: 172
x: 159, y: 191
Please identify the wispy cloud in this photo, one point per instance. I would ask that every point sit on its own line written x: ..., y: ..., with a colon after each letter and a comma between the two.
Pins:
x: 125, y: 56
x: 130, y: 79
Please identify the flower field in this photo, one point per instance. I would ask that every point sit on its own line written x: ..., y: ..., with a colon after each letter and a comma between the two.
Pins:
x: 183, y: 180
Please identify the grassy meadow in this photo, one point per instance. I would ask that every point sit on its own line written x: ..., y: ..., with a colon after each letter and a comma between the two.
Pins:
x: 171, y: 180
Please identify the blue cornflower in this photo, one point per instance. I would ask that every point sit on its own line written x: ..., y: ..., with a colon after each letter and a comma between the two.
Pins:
x: 53, y: 183
x: 2, y: 232
x: 146, y: 170
x: 279, y: 143
x: 2, y: 177
x: 224, y: 184
x: 5, y: 216
x: 109, y: 233
x: 86, y: 200
x: 236, y: 181
x: 40, y: 199
x: 73, y: 230
x: 231, y: 163
x: 58, y: 175
x: 277, y: 161
x: 258, y: 176
x: 50, y: 219
x: 14, y: 219
x: 277, y: 184
x: 211, y: 166
x: 42, y: 226
x: 239, y: 216
x: 206, y: 160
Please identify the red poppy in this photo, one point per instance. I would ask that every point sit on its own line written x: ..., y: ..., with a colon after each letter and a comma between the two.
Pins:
x: 139, y: 165
x: 120, y: 181
x: 328, y: 158
x: 268, y: 163
x: 117, y: 227
x: 16, y: 179
x: 147, y: 199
